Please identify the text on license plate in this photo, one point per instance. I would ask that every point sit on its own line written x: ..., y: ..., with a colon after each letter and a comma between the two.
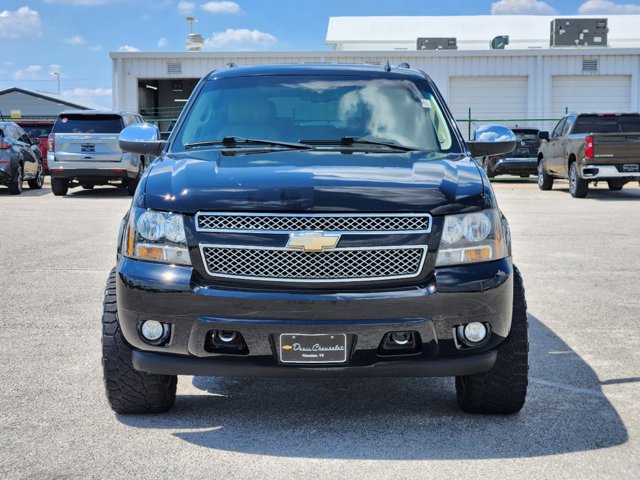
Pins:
x: 313, y: 348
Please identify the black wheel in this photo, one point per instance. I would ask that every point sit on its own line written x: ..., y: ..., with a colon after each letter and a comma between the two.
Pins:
x: 128, y: 390
x: 545, y: 181
x: 60, y: 186
x: 503, y: 389
x: 15, y: 187
x: 615, y: 185
x: 36, y: 183
x: 486, y: 166
x: 577, y: 186
x: 87, y: 186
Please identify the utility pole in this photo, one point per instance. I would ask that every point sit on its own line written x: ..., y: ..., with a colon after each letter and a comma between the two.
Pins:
x: 57, y: 74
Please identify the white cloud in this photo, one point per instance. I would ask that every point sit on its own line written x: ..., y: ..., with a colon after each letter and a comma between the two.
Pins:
x: 128, y: 48
x: 522, y: 7
x: 221, y: 7
x: 83, y: 3
x: 93, y: 96
x: 75, y: 40
x: 22, y: 24
x: 185, y: 8
x: 36, y: 72
x: 163, y: 42
x: 240, y: 38
x: 606, y: 7
x: 88, y: 92
x: 32, y: 72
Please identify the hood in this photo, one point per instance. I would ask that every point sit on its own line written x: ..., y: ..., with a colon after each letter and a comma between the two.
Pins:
x: 315, y: 181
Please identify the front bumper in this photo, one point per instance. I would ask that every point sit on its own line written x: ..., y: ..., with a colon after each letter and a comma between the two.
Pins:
x: 456, y: 295
x: 516, y: 166
x: 594, y: 172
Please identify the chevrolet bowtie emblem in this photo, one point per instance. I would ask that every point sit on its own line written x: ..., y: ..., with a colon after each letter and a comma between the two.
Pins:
x: 313, y: 241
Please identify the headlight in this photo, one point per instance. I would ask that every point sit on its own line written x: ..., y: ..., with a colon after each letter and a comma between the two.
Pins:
x: 156, y: 237
x: 472, y: 237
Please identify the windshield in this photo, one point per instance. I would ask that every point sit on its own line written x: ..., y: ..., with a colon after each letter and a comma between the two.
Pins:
x: 307, y: 108
x: 37, y: 131
x: 88, y: 124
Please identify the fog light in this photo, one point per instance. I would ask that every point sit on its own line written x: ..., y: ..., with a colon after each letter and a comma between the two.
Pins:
x: 154, y: 331
x: 472, y: 333
x: 401, y: 338
x: 227, y: 337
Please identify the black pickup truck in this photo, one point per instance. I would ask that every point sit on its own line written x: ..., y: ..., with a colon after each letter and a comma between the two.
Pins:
x: 315, y: 220
x: 591, y: 147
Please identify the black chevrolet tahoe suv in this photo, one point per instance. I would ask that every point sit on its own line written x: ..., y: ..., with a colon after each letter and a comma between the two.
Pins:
x: 315, y: 221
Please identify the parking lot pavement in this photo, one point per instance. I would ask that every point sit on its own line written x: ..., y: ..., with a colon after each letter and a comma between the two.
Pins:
x: 580, y: 263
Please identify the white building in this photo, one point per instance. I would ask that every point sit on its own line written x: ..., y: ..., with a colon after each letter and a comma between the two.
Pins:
x: 527, y: 80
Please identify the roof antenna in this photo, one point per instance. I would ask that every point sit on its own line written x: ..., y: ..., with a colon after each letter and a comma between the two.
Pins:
x: 387, y: 67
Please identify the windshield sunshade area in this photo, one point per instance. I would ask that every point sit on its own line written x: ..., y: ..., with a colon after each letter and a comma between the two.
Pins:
x: 88, y: 124
x: 317, y: 108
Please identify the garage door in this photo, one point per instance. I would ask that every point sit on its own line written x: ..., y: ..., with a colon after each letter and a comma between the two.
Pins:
x: 602, y: 93
x: 488, y: 97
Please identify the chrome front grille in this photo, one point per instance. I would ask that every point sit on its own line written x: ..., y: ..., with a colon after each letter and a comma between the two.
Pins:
x: 285, y: 265
x: 287, y: 223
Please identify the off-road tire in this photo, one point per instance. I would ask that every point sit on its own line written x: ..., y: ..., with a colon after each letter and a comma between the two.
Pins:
x: 577, y: 186
x: 616, y: 185
x: 545, y: 181
x: 60, y: 186
x: 128, y: 390
x: 503, y: 389
x: 15, y: 187
x: 38, y: 182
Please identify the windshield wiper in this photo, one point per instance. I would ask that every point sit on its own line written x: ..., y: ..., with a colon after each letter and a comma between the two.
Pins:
x: 236, y: 141
x: 351, y: 141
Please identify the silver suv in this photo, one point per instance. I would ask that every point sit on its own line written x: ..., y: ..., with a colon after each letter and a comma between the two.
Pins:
x: 84, y: 151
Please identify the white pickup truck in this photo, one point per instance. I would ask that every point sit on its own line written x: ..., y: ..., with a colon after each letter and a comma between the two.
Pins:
x: 84, y: 151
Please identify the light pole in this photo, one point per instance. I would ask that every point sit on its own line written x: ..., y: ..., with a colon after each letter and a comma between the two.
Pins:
x: 57, y: 74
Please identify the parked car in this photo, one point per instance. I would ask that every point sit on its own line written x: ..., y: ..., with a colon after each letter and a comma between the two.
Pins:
x: 39, y: 131
x: 84, y: 151
x: 522, y: 161
x: 591, y: 147
x: 315, y: 220
x: 20, y: 159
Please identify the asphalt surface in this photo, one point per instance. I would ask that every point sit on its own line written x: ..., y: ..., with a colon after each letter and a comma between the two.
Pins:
x: 580, y: 263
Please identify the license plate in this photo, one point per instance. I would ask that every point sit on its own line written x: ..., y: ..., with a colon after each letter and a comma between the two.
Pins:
x: 630, y: 167
x: 313, y: 348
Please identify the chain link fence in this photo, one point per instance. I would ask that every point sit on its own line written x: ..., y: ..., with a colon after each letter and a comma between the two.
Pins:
x: 468, y: 125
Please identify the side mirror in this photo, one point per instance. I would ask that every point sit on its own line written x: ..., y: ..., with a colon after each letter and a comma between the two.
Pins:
x: 492, y: 140
x: 142, y: 138
x: 543, y: 136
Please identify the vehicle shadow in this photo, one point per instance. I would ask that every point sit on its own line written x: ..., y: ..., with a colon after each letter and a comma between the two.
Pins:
x: 514, y: 179
x: 27, y: 192
x: 96, y: 193
x: 629, y: 192
x: 409, y: 418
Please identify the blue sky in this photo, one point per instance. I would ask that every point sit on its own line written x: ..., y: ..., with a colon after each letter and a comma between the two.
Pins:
x: 74, y: 37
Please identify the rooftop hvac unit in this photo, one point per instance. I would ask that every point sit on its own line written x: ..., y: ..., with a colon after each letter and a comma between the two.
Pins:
x: 579, y: 32
x: 437, y: 43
